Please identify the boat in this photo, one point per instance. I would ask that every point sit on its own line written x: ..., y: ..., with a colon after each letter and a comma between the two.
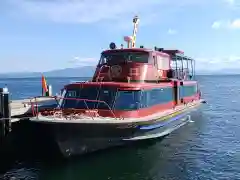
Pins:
x: 135, y: 94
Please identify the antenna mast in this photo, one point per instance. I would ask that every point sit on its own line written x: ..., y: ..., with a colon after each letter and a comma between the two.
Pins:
x: 135, y: 28
x: 131, y: 40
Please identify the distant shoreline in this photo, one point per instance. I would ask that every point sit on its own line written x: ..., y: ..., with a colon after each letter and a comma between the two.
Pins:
x: 65, y: 77
x: 51, y: 77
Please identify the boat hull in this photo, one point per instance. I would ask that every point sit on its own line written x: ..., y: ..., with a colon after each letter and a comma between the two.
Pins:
x: 81, y: 138
x: 81, y: 143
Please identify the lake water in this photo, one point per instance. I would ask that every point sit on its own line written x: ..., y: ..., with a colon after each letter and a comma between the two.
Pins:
x: 207, y: 148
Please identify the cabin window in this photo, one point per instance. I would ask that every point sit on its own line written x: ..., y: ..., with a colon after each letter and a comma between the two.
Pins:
x: 80, y: 93
x: 107, y: 95
x: 89, y: 93
x: 159, y: 96
x: 156, y: 96
x: 71, y: 102
x: 155, y: 61
x: 122, y: 100
x: 71, y: 94
x: 123, y: 56
x: 127, y: 100
x: 163, y: 62
x: 187, y: 91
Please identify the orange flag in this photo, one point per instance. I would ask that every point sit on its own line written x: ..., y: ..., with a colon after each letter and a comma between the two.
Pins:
x: 44, y: 85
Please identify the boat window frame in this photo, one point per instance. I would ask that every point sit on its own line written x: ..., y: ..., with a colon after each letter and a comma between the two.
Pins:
x: 128, y: 61
x: 188, y: 90
x: 99, y: 90
x: 126, y: 90
x: 158, y: 101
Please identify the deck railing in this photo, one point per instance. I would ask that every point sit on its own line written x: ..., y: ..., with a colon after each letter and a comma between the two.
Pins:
x: 59, y: 109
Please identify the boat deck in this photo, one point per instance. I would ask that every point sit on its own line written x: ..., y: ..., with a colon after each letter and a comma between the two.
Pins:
x: 85, y: 119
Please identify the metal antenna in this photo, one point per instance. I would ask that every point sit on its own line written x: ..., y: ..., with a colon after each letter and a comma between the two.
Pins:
x: 135, y: 28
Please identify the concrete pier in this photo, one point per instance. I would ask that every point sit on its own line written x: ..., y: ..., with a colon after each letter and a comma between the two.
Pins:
x: 19, y: 107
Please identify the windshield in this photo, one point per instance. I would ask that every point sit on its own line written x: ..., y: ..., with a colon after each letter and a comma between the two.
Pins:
x: 124, y: 56
x: 118, y: 100
x: 88, y: 93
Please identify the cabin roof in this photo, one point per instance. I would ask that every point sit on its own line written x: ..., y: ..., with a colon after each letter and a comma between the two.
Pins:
x: 136, y: 50
x: 128, y: 49
x: 174, y: 53
x: 177, y: 57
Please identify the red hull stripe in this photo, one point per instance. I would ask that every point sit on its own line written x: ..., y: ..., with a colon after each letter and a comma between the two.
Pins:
x: 138, y: 113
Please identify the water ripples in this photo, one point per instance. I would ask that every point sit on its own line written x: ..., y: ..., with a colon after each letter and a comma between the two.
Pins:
x: 207, y: 148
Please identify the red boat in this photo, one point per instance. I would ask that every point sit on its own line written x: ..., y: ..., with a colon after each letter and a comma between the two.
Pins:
x: 135, y: 94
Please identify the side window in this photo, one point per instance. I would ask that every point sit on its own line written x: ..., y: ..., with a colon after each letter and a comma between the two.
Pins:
x: 163, y: 62
x: 154, y: 97
x: 181, y: 91
x: 107, y: 95
x: 167, y: 95
x: 70, y: 103
x: 155, y: 61
x: 189, y: 90
x: 159, y: 96
x: 159, y: 62
x: 103, y: 60
x: 71, y: 94
x: 127, y: 100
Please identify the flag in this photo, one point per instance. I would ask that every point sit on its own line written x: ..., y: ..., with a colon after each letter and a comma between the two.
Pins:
x: 44, y: 85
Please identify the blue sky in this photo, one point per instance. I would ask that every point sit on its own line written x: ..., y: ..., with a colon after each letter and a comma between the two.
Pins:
x: 42, y: 35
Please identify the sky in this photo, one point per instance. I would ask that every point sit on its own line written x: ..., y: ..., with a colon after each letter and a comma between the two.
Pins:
x: 43, y: 35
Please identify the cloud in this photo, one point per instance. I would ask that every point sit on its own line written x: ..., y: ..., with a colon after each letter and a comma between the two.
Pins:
x: 82, y: 11
x: 227, y: 24
x: 83, y: 61
x: 172, y: 31
x: 217, y: 25
x: 231, y: 2
x: 217, y: 63
x: 91, y: 11
x: 235, y: 24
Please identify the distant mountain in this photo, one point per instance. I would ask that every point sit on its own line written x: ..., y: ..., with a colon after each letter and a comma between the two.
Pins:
x: 86, y: 71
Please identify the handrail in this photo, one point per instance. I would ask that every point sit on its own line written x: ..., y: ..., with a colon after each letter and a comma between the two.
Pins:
x: 35, y: 113
x: 35, y: 98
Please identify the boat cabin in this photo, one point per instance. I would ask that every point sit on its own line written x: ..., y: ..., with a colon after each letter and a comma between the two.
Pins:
x: 122, y: 99
x: 119, y: 99
x: 143, y: 65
